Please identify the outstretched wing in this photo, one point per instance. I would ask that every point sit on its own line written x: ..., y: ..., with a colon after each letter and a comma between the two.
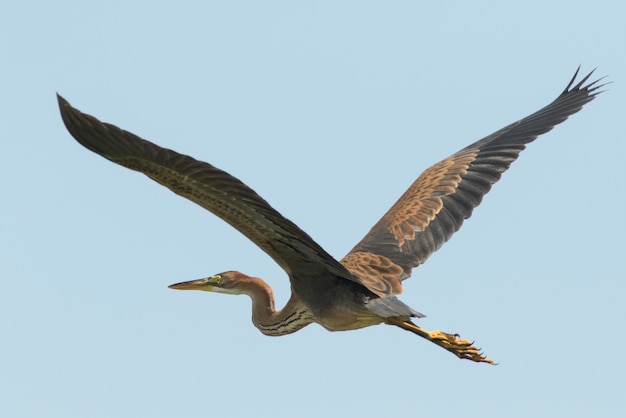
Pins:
x: 209, y: 187
x: 435, y: 205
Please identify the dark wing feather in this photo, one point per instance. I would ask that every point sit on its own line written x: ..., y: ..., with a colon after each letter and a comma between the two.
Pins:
x: 209, y: 187
x: 443, y: 196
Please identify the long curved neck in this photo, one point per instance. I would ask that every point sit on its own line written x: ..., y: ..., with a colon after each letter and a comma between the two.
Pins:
x: 294, y: 316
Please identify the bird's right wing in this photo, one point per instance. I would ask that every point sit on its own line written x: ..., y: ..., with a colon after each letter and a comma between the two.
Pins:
x: 209, y: 187
x: 443, y: 196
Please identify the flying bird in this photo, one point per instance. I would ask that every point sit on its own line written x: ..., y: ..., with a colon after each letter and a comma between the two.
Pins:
x: 361, y: 289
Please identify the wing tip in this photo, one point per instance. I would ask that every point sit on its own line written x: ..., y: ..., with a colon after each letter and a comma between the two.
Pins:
x: 590, y: 88
x: 64, y: 105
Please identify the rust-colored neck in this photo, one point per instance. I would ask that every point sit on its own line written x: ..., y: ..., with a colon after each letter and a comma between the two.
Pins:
x: 294, y: 316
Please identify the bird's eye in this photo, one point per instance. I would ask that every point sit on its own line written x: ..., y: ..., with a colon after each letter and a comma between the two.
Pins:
x: 217, y: 278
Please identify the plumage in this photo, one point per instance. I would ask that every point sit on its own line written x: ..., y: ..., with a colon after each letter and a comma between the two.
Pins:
x: 360, y: 290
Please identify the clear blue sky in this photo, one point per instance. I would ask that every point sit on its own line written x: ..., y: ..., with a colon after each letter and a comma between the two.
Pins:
x: 329, y: 110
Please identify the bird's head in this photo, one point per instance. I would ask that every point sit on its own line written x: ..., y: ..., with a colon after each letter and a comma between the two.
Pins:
x: 230, y: 282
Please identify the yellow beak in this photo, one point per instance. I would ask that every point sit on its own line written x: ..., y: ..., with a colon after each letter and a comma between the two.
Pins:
x: 201, y: 284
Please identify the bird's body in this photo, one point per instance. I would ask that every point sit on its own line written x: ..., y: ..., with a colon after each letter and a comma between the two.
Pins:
x: 359, y: 290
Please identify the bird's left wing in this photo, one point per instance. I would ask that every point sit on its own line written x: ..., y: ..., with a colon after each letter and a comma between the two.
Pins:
x: 209, y: 187
x: 444, y: 195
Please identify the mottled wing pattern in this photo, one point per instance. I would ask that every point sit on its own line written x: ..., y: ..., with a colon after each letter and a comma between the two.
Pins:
x: 209, y: 187
x: 443, y: 196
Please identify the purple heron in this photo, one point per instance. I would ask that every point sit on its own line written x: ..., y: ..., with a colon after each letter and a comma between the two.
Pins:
x: 360, y: 289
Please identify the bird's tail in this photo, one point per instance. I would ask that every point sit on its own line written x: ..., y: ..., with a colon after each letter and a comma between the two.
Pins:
x: 391, y: 307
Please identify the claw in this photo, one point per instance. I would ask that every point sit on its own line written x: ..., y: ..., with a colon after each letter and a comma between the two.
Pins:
x: 463, y: 349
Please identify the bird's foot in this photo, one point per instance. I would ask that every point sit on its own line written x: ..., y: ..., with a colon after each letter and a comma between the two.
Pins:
x: 463, y: 349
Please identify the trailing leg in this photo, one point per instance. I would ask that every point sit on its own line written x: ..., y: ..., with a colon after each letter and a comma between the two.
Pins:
x: 463, y: 349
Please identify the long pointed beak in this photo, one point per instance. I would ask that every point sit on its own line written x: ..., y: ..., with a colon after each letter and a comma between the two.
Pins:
x: 200, y: 284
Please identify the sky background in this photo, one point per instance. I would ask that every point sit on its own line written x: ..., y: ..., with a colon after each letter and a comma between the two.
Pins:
x: 329, y: 110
